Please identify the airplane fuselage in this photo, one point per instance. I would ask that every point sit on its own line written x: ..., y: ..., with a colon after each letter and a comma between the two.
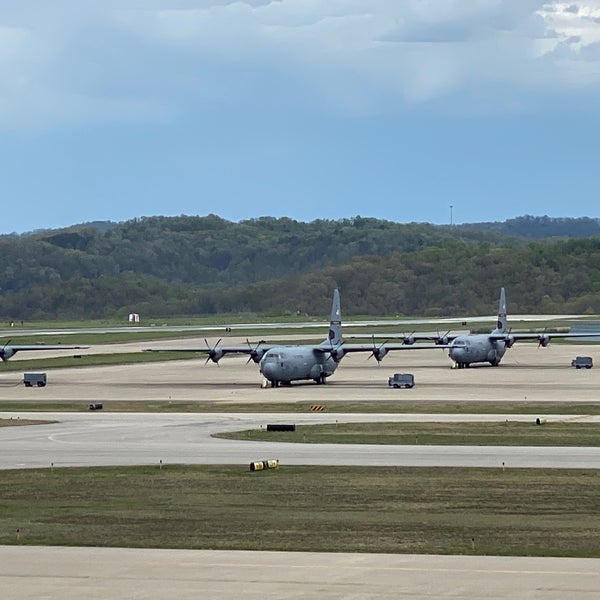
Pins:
x: 284, y: 364
x: 476, y: 348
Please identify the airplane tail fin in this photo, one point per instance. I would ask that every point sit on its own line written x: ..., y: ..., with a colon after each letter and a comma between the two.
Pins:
x: 335, y: 322
x: 502, y: 325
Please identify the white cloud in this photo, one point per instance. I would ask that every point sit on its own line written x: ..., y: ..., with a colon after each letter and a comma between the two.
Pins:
x: 74, y: 60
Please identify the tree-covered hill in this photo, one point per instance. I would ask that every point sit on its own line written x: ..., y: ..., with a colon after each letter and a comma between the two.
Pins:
x: 164, y: 266
x: 208, y: 250
x: 455, y: 278
x: 541, y: 227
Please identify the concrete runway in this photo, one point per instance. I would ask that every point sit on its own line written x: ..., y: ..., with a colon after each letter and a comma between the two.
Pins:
x: 527, y: 375
x: 31, y: 573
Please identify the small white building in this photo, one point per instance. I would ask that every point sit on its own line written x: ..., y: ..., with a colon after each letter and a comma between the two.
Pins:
x: 134, y: 318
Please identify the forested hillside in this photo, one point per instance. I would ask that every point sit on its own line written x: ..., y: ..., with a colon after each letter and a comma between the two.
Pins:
x: 184, y: 266
x: 541, y: 227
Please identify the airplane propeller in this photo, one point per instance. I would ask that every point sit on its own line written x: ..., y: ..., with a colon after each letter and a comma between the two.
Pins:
x: 3, y: 352
x: 335, y: 354
x: 409, y: 340
x: 255, y: 354
x: 510, y: 340
x: 442, y: 340
x: 543, y: 340
x: 213, y: 354
x: 378, y: 352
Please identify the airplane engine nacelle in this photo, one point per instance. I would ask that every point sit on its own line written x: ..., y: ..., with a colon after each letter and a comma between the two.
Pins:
x: 442, y: 341
x: 256, y: 355
x: 544, y: 340
x: 409, y: 340
x: 6, y: 353
x: 337, y: 354
x: 216, y: 355
x: 492, y: 356
x: 379, y: 353
x: 510, y: 340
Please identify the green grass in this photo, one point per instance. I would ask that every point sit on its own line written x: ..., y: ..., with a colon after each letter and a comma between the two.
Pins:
x: 227, y: 319
x: 132, y: 334
x: 508, y: 433
x: 532, y: 512
x: 233, y: 319
x: 91, y: 339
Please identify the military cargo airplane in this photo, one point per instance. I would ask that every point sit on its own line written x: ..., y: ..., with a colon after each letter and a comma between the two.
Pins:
x: 466, y: 349
x: 8, y: 350
x: 282, y: 364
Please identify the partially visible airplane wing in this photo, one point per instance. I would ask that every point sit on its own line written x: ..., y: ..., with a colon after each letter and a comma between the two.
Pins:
x: 217, y: 352
x: 408, y: 339
x: 378, y: 351
x: 9, y: 350
x: 543, y: 337
x: 256, y: 352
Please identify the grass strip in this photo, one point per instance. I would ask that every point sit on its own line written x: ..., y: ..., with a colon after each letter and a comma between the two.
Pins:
x: 537, y: 409
x: 534, y: 512
x: 509, y: 433
x: 506, y: 433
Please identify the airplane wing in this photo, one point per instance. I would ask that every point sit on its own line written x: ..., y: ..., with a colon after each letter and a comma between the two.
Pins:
x: 543, y: 338
x: 217, y: 352
x: 7, y: 350
x: 408, y: 339
x: 377, y: 351
x: 21, y: 348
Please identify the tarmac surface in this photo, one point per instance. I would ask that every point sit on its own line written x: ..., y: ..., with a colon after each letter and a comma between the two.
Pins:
x: 32, y: 573
x: 102, y: 439
x: 527, y: 374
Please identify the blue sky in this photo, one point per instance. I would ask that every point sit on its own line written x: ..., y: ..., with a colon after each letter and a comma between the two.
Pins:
x: 309, y: 109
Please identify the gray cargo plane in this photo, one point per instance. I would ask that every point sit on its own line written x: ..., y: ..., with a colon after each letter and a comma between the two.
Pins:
x: 466, y: 349
x: 9, y: 350
x: 282, y: 364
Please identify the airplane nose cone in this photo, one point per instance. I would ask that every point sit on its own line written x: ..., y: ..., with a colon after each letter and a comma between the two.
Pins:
x: 456, y: 354
x: 268, y: 370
